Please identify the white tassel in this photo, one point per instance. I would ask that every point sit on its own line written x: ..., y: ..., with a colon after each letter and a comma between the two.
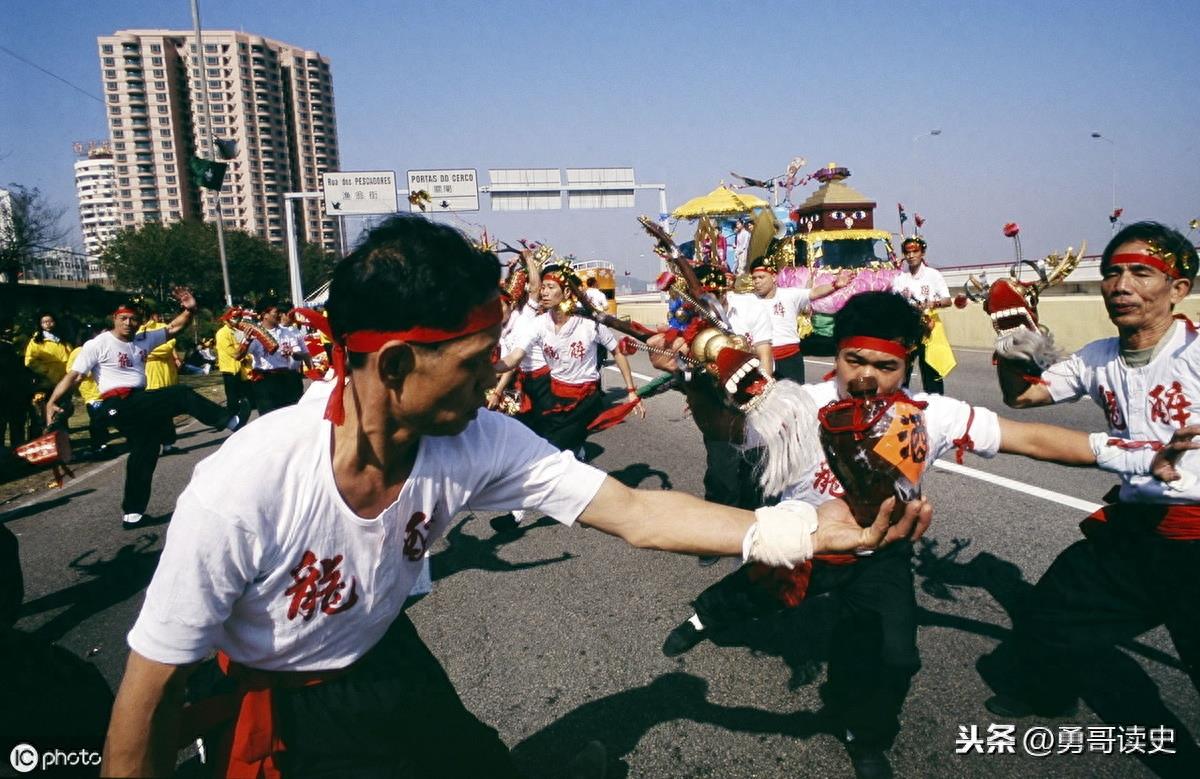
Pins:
x: 784, y: 425
x: 1034, y: 347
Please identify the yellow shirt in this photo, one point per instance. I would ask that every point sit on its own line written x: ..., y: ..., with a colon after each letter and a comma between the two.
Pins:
x: 161, y: 370
x: 88, y: 390
x: 48, y: 360
x: 227, y: 348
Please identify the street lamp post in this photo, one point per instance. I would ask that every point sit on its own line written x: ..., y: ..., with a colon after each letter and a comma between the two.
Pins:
x: 1113, y: 148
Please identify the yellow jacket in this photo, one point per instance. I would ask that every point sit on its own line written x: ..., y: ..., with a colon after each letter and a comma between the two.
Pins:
x: 48, y: 360
x: 88, y: 390
x: 161, y: 370
x: 227, y: 349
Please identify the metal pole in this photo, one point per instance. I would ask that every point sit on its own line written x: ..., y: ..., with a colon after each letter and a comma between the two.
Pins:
x: 293, y: 251
x: 1113, y: 162
x: 212, y: 147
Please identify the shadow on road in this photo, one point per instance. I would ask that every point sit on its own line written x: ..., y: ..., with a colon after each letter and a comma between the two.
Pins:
x: 466, y: 552
x: 43, y: 505
x: 634, y: 475
x: 622, y: 719
x: 110, y: 581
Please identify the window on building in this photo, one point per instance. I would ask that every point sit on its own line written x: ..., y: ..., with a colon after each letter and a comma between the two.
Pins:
x: 160, y: 85
x: 155, y: 48
x: 173, y: 203
x: 156, y: 61
x: 162, y: 109
x: 118, y: 145
x: 169, y: 156
x: 107, y: 48
x: 112, y: 86
x: 160, y: 98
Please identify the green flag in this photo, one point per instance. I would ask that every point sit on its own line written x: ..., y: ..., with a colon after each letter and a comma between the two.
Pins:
x: 208, y: 174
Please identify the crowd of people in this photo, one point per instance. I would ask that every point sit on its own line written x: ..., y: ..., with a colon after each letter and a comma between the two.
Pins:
x: 299, y: 590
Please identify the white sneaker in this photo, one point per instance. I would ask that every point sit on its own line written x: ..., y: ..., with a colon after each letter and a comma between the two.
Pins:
x: 131, y: 520
x: 519, y: 515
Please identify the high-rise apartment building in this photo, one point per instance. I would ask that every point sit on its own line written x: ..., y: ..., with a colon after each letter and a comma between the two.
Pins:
x: 273, y: 99
x: 95, y: 189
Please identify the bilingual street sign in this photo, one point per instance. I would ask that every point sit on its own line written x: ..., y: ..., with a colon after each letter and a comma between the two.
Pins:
x: 447, y: 190
x: 360, y: 192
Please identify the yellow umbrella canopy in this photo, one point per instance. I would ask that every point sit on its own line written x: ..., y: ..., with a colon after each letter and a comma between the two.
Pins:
x: 722, y: 201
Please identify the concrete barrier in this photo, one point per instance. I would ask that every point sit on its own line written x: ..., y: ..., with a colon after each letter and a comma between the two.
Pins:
x: 1074, y: 319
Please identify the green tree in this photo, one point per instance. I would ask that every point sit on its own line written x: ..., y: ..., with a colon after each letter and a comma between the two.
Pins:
x: 154, y: 258
x: 29, y: 226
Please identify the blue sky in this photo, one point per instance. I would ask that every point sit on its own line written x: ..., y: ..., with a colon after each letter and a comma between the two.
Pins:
x: 686, y: 92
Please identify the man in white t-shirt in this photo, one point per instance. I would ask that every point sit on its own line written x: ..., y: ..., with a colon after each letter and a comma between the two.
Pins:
x: 1136, y: 567
x: 741, y: 245
x: 276, y: 382
x: 783, y: 305
x: 300, y: 587
x: 925, y: 288
x: 116, y: 360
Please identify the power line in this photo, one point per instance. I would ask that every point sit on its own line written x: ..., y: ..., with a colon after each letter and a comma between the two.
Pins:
x: 78, y: 89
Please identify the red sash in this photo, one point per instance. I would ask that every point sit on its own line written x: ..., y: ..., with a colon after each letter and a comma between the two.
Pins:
x: 784, y: 352
x: 569, y: 395
x: 119, y: 392
x: 1178, y: 522
x: 250, y: 748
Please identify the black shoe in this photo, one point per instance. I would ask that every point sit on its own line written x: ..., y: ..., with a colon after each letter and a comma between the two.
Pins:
x: 708, y: 559
x: 505, y: 523
x: 681, y: 639
x: 1010, y: 707
x: 869, y: 762
x: 590, y: 763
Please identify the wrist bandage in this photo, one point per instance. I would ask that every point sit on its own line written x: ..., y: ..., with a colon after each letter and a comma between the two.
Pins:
x: 781, y: 535
x: 1117, y: 455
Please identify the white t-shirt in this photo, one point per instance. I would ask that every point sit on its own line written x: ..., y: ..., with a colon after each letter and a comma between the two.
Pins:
x: 746, y: 315
x: 289, y: 578
x: 570, y: 351
x: 117, y: 364
x: 927, y: 284
x: 1142, y: 404
x: 514, y: 332
x: 946, y: 420
x: 597, y: 299
x: 783, y: 308
x: 291, y: 342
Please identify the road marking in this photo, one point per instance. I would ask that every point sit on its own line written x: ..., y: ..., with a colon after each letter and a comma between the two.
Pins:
x: 1019, y: 486
x: 635, y: 374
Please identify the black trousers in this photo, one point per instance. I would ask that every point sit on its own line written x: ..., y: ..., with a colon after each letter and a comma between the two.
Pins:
x: 142, y: 417
x: 1118, y: 583
x: 537, y: 390
x: 567, y: 430
x: 395, y: 715
x: 275, y: 390
x: 873, y: 655
x: 791, y: 368
x: 729, y: 475
x: 931, y: 380
x: 237, y: 390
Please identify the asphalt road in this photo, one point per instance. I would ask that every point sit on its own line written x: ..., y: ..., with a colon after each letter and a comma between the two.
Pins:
x: 552, y: 635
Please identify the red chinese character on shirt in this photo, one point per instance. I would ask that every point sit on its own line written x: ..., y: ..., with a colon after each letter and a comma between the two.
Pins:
x: 1109, y: 400
x: 778, y: 309
x: 827, y: 483
x: 319, y: 584
x: 123, y: 361
x: 577, y: 350
x: 1167, y: 404
x: 416, y: 541
x: 549, y: 352
x: 286, y: 349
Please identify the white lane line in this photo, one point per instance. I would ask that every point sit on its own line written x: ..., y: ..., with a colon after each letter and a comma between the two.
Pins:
x: 635, y: 374
x: 1019, y: 486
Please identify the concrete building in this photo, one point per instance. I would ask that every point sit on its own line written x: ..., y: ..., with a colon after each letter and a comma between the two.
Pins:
x: 273, y: 99
x: 95, y: 189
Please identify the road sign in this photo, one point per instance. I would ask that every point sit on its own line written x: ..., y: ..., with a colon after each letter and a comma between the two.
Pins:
x: 448, y: 190
x: 360, y: 192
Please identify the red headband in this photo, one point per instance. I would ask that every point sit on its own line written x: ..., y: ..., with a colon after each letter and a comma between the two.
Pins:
x: 483, y: 316
x: 124, y: 310
x: 1150, y: 260
x: 878, y: 344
